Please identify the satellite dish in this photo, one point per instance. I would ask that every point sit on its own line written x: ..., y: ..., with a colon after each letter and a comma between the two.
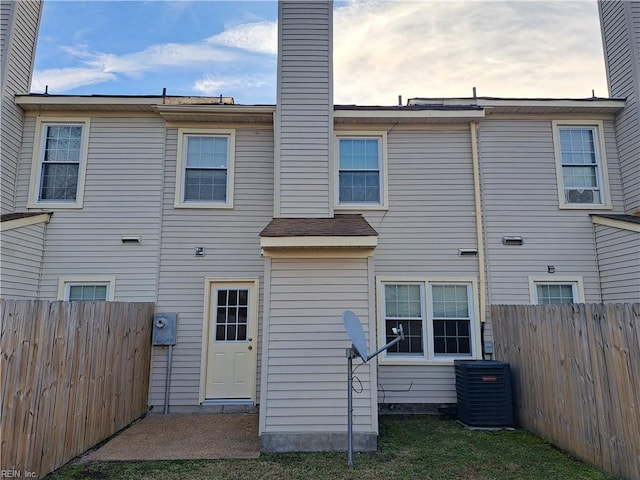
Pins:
x: 354, y: 329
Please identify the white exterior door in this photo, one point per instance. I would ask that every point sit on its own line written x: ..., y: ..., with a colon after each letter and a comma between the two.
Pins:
x: 231, y: 341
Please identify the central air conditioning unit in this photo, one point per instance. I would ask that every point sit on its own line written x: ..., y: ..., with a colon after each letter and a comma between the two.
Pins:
x: 484, y: 393
x: 580, y: 196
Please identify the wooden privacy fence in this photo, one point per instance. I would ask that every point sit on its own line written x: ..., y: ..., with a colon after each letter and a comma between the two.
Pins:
x: 576, y: 371
x: 73, y: 373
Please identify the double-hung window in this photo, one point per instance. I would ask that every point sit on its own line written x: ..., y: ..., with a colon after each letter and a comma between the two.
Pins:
x: 59, y: 163
x: 438, y: 319
x: 204, y: 176
x: 559, y: 291
x: 86, y: 289
x: 361, y: 178
x: 580, y: 165
x: 451, y: 319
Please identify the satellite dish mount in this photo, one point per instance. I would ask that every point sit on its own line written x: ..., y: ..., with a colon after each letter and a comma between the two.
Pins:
x: 353, y: 326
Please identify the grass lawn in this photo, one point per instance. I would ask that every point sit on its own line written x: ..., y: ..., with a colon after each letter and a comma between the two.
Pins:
x: 421, y: 447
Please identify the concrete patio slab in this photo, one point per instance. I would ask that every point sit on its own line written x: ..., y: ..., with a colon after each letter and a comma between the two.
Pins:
x: 184, y: 437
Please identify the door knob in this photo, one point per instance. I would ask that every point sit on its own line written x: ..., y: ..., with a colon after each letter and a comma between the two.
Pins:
x: 250, y: 347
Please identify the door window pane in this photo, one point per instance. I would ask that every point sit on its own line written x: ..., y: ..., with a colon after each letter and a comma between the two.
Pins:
x: 232, y: 315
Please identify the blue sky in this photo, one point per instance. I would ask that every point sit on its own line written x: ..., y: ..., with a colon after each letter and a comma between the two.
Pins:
x: 382, y: 49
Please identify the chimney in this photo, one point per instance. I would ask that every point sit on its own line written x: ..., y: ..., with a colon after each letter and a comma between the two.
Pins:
x: 620, y: 24
x: 304, y: 110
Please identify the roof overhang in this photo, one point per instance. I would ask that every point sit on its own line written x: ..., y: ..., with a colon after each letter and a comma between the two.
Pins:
x: 345, y: 232
x: 530, y: 106
x: 11, y: 221
x: 405, y: 115
x: 81, y: 103
x: 624, y: 222
x: 171, y: 108
x: 217, y: 113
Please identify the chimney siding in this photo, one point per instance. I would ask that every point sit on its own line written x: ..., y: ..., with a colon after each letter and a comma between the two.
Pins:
x: 621, y: 37
x: 304, y: 112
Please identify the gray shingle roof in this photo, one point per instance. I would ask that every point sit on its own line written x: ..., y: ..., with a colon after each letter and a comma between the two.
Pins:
x: 338, y: 226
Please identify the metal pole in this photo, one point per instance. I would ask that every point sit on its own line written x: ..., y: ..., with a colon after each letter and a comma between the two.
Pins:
x: 166, y: 387
x: 350, y: 407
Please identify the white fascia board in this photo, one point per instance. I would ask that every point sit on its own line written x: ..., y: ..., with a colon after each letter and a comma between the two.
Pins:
x: 25, y: 221
x: 408, y: 114
x: 557, y: 103
x: 610, y: 222
x: 227, y: 109
x: 319, y: 242
x: 26, y: 100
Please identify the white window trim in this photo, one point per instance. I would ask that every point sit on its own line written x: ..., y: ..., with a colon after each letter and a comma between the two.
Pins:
x: 65, y: 282
x: 384, y: 183
x: 602, y: 171
x: 429, y: 357
x: 577, y: 282
x: 37, y: 160
x: 180, y: 167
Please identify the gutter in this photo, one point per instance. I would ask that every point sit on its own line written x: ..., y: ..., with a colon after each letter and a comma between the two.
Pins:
x: 482, y: 284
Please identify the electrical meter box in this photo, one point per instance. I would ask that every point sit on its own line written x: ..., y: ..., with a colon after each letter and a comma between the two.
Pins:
x: 164, y: 329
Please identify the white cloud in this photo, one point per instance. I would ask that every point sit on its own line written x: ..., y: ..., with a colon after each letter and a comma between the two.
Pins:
x: 211, y: 85
x: 433, y: 49
x: 96, y: 67
x: 64, y: 79
x: 260, y: 37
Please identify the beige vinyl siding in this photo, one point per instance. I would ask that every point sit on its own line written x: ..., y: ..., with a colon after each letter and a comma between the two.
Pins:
x: 122, y: 192
x: 430, y: 216
x: 19, y: 29
x: 431, y: 205
x: 305, y: 388
x: 21, y: 260
x: 520, y: 198
x: 304, y: 112
x: 433, y: 384
x: 621, y: 35
x: 232, y: 250
x: 619, y: 263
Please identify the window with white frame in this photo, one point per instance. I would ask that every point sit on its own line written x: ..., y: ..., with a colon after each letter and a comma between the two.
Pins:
x: 361, y: 170
x: 59, y: 163
x: 580, y: 165
x: 404, y: 305
x: 438, y: 319
x: 451, y: 316
x: 204, y: 176
x: 86, y: 289
x: 559, y: 291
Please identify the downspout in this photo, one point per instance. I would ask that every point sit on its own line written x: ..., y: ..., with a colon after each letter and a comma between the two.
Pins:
x: 482, y: 285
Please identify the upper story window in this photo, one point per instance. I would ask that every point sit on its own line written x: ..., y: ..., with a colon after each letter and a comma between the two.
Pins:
x: 361, y: 172
x: 204, y: 176
x: 580, y: 165
x: 59, y: 163
x: 438, y: 319
x: 559, y: 291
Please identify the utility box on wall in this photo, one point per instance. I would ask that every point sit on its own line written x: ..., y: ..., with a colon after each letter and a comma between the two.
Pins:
x: 484, y: 393
x: 164, y: 329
